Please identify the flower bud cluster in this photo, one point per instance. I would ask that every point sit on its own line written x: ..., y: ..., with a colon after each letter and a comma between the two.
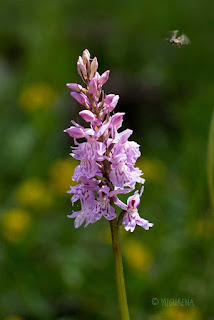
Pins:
x: 107, y: 158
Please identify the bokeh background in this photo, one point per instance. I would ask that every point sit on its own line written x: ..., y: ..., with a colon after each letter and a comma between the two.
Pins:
x: 49, y: 270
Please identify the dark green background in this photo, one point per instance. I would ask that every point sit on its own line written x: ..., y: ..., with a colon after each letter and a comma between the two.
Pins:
x: 49, y: 270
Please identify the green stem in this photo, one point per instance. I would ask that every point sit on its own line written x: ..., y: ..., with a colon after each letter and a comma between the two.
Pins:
x: 210, y: 162
x: 121, y: 290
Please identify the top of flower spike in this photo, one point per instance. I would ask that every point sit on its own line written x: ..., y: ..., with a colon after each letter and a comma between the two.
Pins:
x: 107, y: 158
x: 87, y: 68
x: 89, y: 97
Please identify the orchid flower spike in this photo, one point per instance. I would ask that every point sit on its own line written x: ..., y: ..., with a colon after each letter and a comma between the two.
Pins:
x: 107, y: 157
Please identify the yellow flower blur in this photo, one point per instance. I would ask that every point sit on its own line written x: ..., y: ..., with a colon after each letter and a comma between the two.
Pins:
x: 181, y: 313
x: 154, y: 170
x: 15, y: 223
x: 34, y: 193
x: 203, y: 228
x: 37, y: 96
x: 61, y: 172
x: 138, y: 257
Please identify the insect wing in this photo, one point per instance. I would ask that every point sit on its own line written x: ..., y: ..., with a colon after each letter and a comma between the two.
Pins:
x: 183, y: 39
x: 174, y: 34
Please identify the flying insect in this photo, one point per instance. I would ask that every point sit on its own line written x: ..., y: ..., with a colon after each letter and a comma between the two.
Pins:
x: 178, y: 41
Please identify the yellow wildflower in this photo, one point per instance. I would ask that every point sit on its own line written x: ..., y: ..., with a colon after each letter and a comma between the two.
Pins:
x: 14, y: 224
x: 61, y: 172
x: 137, y: 256
x: 154, y: 170
x: 181, y: 313
x: 37, y: 96
x: 34, y: 193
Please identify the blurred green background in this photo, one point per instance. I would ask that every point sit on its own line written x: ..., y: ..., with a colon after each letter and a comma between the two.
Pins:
x: 49, y: 270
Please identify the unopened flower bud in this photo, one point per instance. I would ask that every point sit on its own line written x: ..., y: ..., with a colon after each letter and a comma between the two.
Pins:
x: 87, y: 115
x: 94, y: 66
x: 86, y: 56
x: 83, y: 72
x: 81, y: 69
x: 75, y: 132
x: 74, y: 87
x: 93, y: 86
x: 79, y: 97
x: 80, y: 60
x: 97, y: 76
x: 104, y: 77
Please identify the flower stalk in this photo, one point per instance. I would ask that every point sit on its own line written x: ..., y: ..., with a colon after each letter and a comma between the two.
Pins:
x: 119, y: 275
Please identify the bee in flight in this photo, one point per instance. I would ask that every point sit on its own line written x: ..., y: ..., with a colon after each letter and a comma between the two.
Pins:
x: 178, y: 41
